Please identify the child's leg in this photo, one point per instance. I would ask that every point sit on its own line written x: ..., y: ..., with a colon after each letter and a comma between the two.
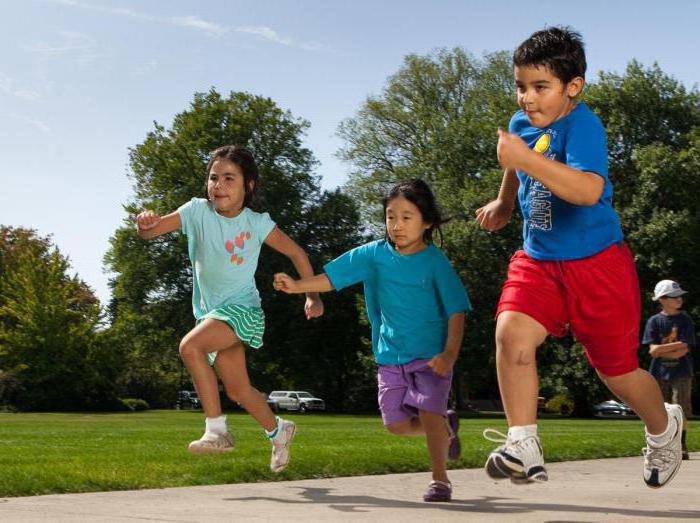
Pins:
x: 438, y: 440
x: 209, y: 336
x: 231, y: 366
x: 641, y: 392
x: 409, y: 427
x: 517, y: 338
x: 682, y: 392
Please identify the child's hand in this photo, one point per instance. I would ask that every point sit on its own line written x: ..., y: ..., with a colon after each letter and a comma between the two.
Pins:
x: 313, y: 307
x: 494, y: 215
x: 511, y: 150
x: 442, y: 363
x: 147, y: 220
x: 285, y: 283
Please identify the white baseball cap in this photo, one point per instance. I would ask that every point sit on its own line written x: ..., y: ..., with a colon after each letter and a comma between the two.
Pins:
x: 668, y: 288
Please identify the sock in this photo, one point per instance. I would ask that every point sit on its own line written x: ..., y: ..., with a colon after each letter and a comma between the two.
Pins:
x: 683, y: 440
x: 659, y: 440
x: 272, y: 433
x: 522, y: 431
x: 216, y: 425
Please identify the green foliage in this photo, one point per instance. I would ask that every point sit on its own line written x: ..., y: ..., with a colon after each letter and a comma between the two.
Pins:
x: 151, y: 308
x: 436, y: 119
x: 560, y: 404
x: 134, y: 404
x: 50, y: 353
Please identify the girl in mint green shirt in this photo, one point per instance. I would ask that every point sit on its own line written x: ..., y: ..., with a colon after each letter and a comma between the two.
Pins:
x: 224, y: 237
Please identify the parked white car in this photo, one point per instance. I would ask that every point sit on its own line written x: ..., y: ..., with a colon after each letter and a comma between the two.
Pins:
x: 297, y: 400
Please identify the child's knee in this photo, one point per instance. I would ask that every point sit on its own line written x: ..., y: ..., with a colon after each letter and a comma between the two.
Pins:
x: 398, y: 429
x: 189, y: 349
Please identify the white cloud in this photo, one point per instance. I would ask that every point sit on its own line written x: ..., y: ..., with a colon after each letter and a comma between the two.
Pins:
x: 8, y: 87
x: 80, y: 47
x: 265, y: 32
x: 42, y: 126
x: 199, y: 24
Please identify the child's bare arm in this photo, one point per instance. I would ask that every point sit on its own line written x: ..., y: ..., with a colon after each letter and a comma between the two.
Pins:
x: 569, y: 184
x: 677, y: 349
x: 443, y: 362
x: 150, y: 224
x: 282, y: 243
x: 285, y: 283
x: 496, y: 214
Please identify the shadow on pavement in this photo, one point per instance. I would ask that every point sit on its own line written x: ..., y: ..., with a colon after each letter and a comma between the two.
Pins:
x: 488, y: 504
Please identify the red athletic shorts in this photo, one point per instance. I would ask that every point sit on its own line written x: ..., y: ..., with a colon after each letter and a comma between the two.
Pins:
x: 596, y: 297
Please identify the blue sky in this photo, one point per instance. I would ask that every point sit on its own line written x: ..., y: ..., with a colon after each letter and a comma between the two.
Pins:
x: 82, y: 81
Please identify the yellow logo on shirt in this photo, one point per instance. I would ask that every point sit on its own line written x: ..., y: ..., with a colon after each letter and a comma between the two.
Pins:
x: 542, y: 143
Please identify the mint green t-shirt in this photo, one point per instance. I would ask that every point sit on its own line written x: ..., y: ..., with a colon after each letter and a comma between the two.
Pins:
x: 224, y: 254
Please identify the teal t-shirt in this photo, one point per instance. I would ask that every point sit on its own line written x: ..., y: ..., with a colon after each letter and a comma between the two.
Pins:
x: 409, y: 298
x: 224, y: 254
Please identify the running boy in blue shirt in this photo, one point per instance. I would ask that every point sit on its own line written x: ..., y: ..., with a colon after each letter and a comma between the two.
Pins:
x: 574, y: 271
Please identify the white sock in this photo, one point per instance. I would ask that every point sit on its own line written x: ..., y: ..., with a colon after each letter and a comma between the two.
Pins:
x: 659, y: 440
x: 519, y: 432
x: 216, y: 425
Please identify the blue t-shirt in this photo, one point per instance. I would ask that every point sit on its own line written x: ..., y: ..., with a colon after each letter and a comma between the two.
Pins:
x: 409, y: 298
x: 554, y: 229
x: 224, y: 254
x: 661, y: 329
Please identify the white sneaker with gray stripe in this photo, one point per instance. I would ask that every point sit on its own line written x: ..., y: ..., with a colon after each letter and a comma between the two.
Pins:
x: 522, y: 461
x: 661, y: 463
x: 280, y: 445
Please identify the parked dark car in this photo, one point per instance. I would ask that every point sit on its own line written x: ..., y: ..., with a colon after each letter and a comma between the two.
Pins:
x: 612, y: 408
x: 188, y: 399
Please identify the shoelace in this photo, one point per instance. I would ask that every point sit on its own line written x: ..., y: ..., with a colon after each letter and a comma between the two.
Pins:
x: 499, y: 438
x: 659, y: 458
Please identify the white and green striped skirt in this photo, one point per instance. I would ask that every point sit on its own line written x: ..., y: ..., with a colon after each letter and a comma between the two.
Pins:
x: 247, y: 322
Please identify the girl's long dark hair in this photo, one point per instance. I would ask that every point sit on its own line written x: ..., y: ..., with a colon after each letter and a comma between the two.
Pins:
x: 243, y: 158
x: 419, y: 194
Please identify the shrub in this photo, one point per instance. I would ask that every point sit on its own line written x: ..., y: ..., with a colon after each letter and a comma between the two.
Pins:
x: 560, y: 404
x: 134, y: 404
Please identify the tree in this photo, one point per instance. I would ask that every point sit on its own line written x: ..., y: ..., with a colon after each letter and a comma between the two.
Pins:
x: 49, y: 353
x: 151, y: 307
x: 436, y: 119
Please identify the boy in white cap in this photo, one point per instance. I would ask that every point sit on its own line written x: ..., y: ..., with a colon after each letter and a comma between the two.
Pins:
x: 670, y: 335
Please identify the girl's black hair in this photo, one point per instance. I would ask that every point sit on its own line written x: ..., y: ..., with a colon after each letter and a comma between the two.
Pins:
x: 419, y: 194
x: 243, y: 158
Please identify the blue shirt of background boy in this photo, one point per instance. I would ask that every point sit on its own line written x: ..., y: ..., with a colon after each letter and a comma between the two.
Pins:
x: 662, y: 329
x: 554, y: 229
x: 224, y: 254
x: 409, y: 298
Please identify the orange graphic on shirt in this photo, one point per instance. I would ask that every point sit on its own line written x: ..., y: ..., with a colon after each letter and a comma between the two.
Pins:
x: 237, y: 243
x: 672, y: 337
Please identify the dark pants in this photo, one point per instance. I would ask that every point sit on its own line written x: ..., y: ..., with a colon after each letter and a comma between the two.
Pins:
x: 677, y: 390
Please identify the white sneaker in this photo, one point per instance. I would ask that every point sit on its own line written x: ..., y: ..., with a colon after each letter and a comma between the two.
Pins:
x: 662, y: 463
x: 280, y: 445
x: 212, y: 444
x: 520, y: 460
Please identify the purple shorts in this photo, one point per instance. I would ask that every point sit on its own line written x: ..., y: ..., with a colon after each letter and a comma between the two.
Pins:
x: 406, y: 389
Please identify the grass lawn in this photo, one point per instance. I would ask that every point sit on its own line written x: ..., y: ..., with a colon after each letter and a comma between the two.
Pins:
x: 53, y: 453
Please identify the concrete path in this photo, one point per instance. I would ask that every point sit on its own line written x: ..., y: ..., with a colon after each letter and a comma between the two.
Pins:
x: 597, y: 490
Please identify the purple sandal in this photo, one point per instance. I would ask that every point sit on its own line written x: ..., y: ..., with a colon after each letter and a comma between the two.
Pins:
x: 438, y: 491
x: 455, y: 448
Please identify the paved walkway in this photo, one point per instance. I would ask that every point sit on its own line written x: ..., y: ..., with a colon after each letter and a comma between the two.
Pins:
x: 596, y: 490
